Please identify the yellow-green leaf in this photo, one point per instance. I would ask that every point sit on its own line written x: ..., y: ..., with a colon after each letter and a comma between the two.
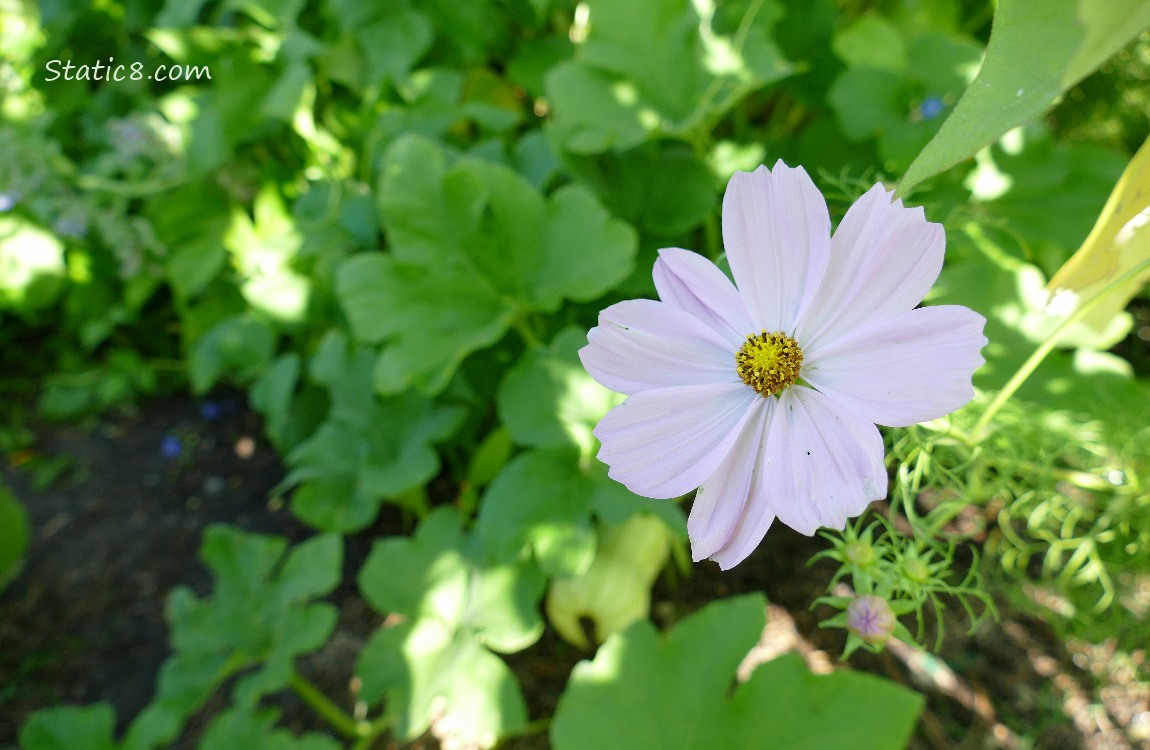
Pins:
x: 1118, y: 243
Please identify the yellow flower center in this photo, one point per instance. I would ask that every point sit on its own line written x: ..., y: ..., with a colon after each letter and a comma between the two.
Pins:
x: 769, y: 362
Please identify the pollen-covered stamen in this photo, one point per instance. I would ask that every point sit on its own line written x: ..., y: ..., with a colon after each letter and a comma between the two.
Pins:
x: 769, y: 362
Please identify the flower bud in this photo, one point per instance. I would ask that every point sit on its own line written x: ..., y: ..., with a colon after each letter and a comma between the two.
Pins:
x: 871, y: 619
x: 859, y: 553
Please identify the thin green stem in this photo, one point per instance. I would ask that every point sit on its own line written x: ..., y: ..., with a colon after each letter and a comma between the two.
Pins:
x: 523, y: 328
x: 1035, y: 359
x: 322, y: 705
x: 371, y: 732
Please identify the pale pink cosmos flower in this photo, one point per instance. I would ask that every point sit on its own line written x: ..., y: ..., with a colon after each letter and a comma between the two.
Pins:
x: 764, y: 394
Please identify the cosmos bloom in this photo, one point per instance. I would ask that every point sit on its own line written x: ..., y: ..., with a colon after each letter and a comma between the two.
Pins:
x: 764, y: 394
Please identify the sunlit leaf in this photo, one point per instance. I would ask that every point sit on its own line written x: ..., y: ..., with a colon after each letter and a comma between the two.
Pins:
x: 1119, y: 241
x: 473, y: 246
x: 653, y: 66
x: 434, y: 667
x: 681, y: 687
x: 1037, y: 50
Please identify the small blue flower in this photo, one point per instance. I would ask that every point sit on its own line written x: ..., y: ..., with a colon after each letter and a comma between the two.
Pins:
x: 210, y: 411
x: 8, y: 201
x: 931, y: 107
x: 171, y: 446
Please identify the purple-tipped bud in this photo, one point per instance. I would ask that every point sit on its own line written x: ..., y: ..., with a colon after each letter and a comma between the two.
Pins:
x: 870, y: 618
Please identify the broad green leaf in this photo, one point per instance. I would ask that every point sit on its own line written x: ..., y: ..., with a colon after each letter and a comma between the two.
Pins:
x: 191, y: 220
x: 1118, y: 243
x: 680, y: 685
x: 783, y: 705
x: 243, y: 727
x: 32, y: 269
x: 260, y: 615
x: 369, y: 448
x: 873, y: 42
x: 263, y: 249
x: 543, y: 501
x: 898, y: 82
x: 1037, y: 50
x: 271, y: 396
x: 661, y: 188
x: 473, y: 246
x: 652, y: 66
x: 70, y: 728
x: 13, y: 535
x: 548, y: 400
x: 435, y: 665
x: 241, y: 346
x: 432, y: 678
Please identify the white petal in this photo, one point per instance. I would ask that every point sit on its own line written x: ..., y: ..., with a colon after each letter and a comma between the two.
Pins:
x: 903, y: 370
x: 727, y: 501
x: 776, y: 231
x: 665, y: 442
x: 884, y: 259
x: 696, y: 285
x: 642, y: 344
x: 822, y: 463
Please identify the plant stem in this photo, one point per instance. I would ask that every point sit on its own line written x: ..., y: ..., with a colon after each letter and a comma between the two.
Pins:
x: 1032, y: 362
x: 523, y: 328
x: 322, y: 705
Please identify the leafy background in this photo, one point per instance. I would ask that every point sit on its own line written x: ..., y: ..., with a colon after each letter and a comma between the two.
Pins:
x: 389, y: 228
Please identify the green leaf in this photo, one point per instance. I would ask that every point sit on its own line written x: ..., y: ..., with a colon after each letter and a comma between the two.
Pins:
x: 32, y: 269
x: 661, y: 188
x: 1037, y: 51
x: 680, y: 686
x: 543, y: 501
x: 241, y: 346
x: 70, y: 728
x: 13, y: 535
x: 872, y: 41
x: 657, y: 65
x: 262, y: 252
x: 271, y: 396
x: 473, y: 247
x: 436, y: 663
x: 243, y: 727
x: 548, y: 400
x: 260, y: 614
x: 783, y: 705
x: 369, y: 448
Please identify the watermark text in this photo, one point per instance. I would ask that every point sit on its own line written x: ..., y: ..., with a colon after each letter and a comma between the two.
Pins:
x: 112, y: 71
